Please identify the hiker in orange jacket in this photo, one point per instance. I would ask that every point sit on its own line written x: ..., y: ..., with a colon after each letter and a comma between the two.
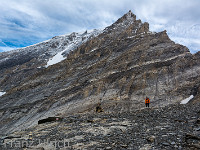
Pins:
x: 147, y: 101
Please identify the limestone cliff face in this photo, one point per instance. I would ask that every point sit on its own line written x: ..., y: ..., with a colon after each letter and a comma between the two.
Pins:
x: 118, y: 68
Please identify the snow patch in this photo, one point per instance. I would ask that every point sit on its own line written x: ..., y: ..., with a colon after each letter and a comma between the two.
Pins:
x: 2, y: 93
x: 74, y: 40
x: 93, y: 50
x: 185, y: 101
x: 56, y: 59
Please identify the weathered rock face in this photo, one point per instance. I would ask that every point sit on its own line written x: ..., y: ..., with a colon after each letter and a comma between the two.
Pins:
x: 118, y: 68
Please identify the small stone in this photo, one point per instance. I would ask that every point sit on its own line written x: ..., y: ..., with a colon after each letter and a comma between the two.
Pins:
x: 198, y: 121
x: 197, y: 129
x: 108, y: 148
x: 176, y: 146
x: 124, y: 146
x: 172, y: 133
x: 173, y: 143
x: 166, y: 144
x: 146, y: 147
x: 151, y: 139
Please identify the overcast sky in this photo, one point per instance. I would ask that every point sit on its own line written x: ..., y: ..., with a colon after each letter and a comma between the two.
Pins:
x: 26, y: 22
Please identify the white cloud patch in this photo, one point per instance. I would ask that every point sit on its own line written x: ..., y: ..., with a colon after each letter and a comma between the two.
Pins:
x: 25, y: 22
x: 6, y: 48
x: 185, y: 33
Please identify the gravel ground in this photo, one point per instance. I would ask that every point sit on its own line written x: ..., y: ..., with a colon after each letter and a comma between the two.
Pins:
x: 171, y: 127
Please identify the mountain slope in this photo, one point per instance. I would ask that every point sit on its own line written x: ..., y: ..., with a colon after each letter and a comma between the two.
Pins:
x: 117, y: 68
x: 27, y: 61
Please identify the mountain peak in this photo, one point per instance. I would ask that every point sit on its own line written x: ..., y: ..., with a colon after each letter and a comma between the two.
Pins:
x: 128, y: 23
x: 130, y: 17
x: 130, y: 14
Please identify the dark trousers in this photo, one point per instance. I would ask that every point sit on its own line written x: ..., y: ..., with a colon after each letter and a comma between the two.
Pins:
x: 147, y: 104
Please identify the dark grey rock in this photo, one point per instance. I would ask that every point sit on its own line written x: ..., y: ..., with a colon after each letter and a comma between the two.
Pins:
x: 166, y: 144
x: 173, y: 143
x: 108, y: 148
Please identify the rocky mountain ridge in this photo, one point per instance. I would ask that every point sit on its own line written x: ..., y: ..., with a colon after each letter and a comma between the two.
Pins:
x: 117, y: 68
x: 31, y: 59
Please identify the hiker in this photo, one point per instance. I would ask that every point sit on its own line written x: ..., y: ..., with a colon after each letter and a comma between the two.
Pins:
x: 147, y: 101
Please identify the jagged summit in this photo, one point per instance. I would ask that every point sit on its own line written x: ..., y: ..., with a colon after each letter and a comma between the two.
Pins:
x: 128, y: 24
x: 128, y: 17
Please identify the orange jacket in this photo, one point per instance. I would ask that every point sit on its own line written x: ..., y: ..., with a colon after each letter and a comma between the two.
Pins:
x: 147, y: 100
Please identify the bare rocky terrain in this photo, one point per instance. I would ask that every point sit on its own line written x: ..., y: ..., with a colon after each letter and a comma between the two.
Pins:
x: 174, y: 126
x: 115, y: 68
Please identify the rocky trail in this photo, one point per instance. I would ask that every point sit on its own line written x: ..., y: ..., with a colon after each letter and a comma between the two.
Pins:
x: 171, y: 127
